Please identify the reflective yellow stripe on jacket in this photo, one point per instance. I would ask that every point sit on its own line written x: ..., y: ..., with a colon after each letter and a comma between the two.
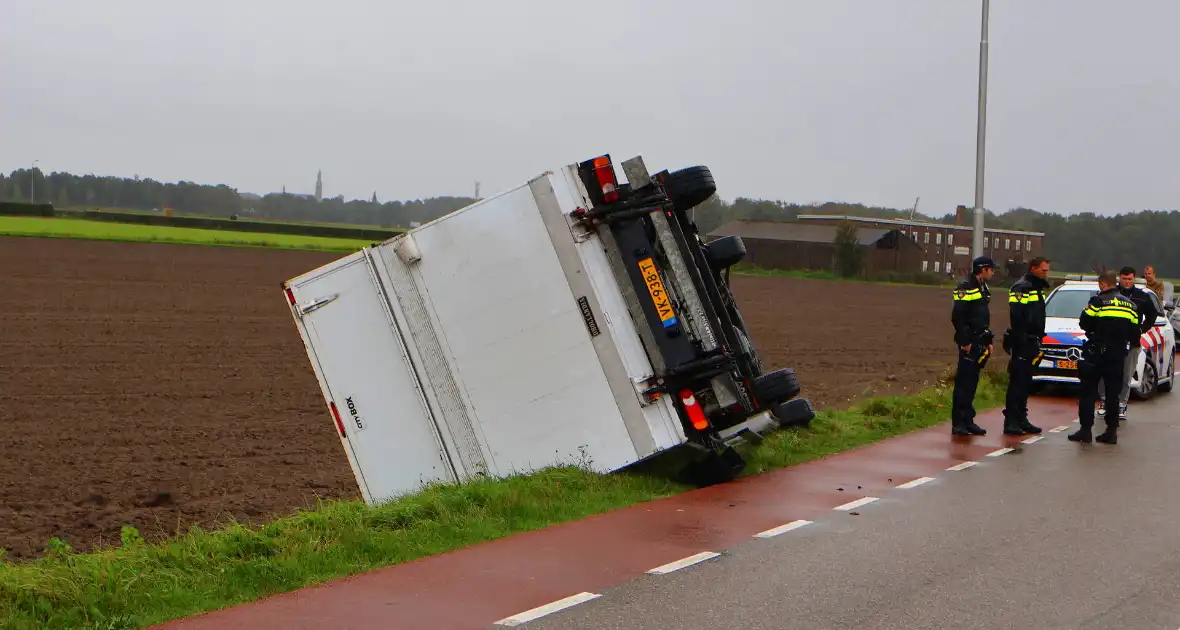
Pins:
x: 1023, y: 298
x: 1115, y: 311
x: 968, y: 295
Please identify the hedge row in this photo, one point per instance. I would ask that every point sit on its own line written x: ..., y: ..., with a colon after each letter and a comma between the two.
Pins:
x: 18, y: 209
x: 206, y: 223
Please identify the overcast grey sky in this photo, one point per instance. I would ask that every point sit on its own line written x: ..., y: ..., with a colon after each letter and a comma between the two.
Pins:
x: 870, y: 101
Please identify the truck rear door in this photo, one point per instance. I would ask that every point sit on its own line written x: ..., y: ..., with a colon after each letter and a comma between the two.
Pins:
x: 368, y: 380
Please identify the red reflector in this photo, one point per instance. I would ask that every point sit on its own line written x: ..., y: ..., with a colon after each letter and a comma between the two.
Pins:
x: 695, y: 413
x: 290, y: 296
x: 605, y: 174
x: 336, y: 417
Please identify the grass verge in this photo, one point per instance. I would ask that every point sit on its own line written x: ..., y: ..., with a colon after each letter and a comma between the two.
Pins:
x: 140, y: 584
x: 128, y: 232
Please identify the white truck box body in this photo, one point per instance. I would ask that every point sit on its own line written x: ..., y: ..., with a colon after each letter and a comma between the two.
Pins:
x: 460, y: 348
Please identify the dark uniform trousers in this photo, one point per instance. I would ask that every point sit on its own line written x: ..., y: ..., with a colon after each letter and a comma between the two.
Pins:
x: 1025, y: 355
x: 1105, y: 364
x: 971, y: 363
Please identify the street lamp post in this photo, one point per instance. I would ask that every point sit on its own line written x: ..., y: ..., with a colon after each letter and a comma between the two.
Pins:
x: 33, y: 182
x: 980, y: 134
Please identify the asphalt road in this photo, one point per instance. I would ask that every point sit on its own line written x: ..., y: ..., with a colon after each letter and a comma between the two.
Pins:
x: 1056, y: 535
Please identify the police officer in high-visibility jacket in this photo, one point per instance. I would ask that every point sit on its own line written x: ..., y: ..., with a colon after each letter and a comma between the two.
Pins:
x: 1111, y: 323
x: 973, y: 337
x: 1022, y: 340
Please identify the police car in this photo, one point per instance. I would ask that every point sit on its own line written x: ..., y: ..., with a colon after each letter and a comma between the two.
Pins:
x: 1062, y: 344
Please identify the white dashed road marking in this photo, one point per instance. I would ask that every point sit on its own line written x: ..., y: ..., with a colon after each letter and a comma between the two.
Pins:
x: 1058, y: 429
x: 963, y: 466
x: 1033, y: 440
x: 547, y: 609
x: 855, y: 504
x: 917, y: 482
x: 999, y: 452
x: 781, y: 529
x: 683, y: 562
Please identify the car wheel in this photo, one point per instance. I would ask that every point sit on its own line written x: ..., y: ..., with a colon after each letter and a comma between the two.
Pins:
x: 1148, y: 382
x: 690, y: 187
x: 1167, y: 387
x: 725, y: 252
x: 777, y: 386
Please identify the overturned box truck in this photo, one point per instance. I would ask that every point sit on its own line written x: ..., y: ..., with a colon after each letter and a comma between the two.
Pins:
x: 572, y: 320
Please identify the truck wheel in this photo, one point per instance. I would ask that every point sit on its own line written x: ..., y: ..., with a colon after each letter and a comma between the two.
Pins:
x: 777, y: 386
x: 796, y: 413
x: 725, y: 252
x: 690, y: 187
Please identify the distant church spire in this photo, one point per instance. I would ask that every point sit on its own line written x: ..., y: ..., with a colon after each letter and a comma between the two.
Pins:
x: 319, y: 185
x: 374, y: 197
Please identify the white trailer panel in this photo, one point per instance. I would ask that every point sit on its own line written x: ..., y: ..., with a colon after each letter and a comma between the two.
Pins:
x: 463, y: 347
x: 515, y: 338
x: 387, y: 430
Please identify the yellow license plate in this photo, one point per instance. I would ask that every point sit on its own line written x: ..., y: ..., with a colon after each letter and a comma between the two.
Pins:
x: 1067, y: 365
x: 655, y: 288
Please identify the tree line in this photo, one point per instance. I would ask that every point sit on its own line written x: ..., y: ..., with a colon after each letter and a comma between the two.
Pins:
x: 66, y: 190
x: 1080, y: 242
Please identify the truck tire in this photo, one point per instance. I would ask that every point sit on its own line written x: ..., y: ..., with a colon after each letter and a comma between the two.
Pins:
x: 690, y: 187
x: 795, y: 413
x: 725, y: 252
x: 775, y: 387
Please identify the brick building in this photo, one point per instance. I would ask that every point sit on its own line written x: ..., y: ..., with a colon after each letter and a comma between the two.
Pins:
x: 794, y: 245
x: 947, y: 248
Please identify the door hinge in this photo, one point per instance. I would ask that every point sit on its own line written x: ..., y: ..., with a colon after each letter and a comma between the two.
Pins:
x: 304, y: 309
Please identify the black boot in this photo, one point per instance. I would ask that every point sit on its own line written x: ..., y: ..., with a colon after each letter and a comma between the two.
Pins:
x: 1012, y: 426
x: 1029, y: 427
x: 1081, y: 435
x: 975, y: 429
x: 1110, y: 436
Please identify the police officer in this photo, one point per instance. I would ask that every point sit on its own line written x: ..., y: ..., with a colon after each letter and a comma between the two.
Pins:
x: 1111, y: 323
x: 971, y: 319
x: 1147, y: 315
x: 1022, y: 340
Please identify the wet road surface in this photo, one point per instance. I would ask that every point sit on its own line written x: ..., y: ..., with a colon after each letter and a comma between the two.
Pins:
x: 1053, y: 535
x: 919, y: 531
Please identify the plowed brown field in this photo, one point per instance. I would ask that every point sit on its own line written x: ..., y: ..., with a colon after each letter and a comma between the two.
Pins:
x: 165, y: 385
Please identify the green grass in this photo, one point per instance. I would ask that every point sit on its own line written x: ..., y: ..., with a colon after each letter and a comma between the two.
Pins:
x: 141, y: 584
x: 110, y: 231
x: 198, y: 215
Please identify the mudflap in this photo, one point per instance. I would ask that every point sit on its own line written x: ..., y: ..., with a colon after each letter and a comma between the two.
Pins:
x: 716, y: 466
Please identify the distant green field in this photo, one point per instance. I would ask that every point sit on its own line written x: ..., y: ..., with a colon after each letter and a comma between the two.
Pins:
x: 197, y: 215
x: 109, y: 231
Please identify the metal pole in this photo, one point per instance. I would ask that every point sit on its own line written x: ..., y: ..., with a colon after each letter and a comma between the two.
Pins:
x: 980, y: 134
x: 33, y: 182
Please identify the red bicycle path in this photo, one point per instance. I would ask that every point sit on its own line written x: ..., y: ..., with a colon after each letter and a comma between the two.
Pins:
x: 477, y: 586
